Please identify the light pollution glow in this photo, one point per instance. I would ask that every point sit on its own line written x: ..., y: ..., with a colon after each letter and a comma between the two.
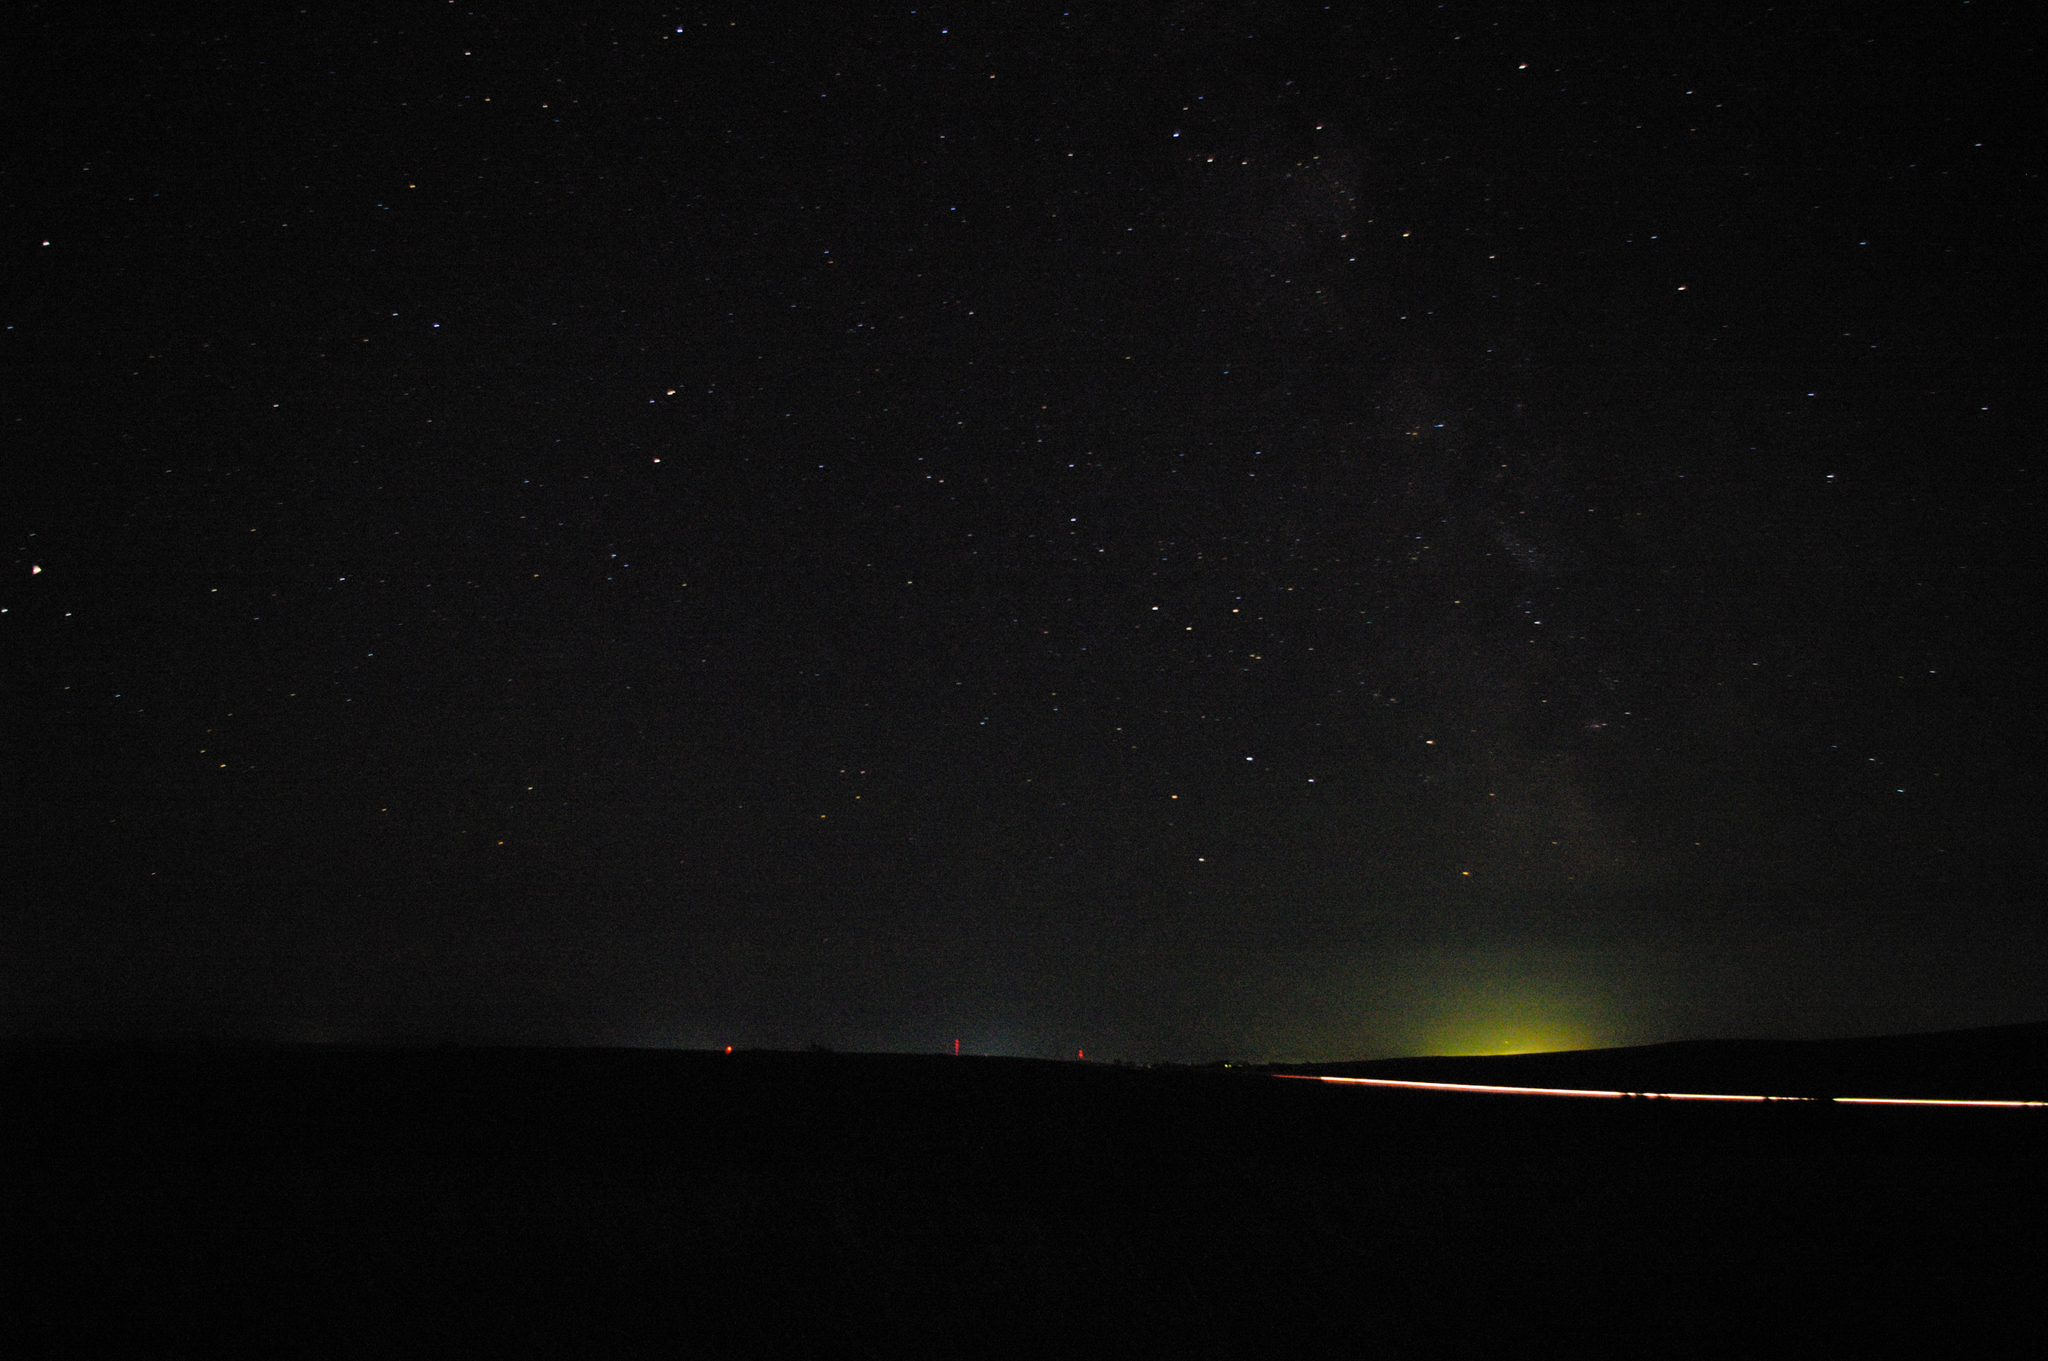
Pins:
x: 1497, y: 1005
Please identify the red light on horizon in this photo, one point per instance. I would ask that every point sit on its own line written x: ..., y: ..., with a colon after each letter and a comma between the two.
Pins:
x: 728, y: 1049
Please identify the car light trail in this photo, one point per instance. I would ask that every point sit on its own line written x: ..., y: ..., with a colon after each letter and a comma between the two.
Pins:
x: 1925, y: 1101
x: 1655, y: 1096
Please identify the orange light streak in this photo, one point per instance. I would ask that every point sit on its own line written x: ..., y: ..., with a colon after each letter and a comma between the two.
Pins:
x: 1657, y: 1096
x: 1927, y: 1101
x: 1529, y: 1091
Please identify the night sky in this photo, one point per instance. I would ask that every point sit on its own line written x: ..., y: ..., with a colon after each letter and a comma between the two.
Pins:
x: 1180, y: 531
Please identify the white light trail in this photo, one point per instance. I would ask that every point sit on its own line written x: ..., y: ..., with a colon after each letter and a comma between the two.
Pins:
x: 1657, y: 1096
x: 1925, y: 1101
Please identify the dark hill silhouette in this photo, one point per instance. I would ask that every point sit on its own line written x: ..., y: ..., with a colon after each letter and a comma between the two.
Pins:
x: 1996, y: 1063
x: 531, y: 1202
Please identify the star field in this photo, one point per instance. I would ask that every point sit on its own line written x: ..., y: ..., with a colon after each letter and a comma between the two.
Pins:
x: 1255, y: 532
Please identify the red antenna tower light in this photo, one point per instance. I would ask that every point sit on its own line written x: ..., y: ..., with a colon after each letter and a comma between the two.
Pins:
x: 1080, y: 1053
x: 956, y: 1049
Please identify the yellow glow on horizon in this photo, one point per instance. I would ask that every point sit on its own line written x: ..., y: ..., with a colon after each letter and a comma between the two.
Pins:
x: 1480, y: 1038
x: 1501, y: 1005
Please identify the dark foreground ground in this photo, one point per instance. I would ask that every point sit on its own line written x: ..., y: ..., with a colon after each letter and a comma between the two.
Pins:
x: 632, y: 1203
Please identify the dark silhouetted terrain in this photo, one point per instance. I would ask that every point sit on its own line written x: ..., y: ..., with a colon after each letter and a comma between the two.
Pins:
x: 602, y: 1203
